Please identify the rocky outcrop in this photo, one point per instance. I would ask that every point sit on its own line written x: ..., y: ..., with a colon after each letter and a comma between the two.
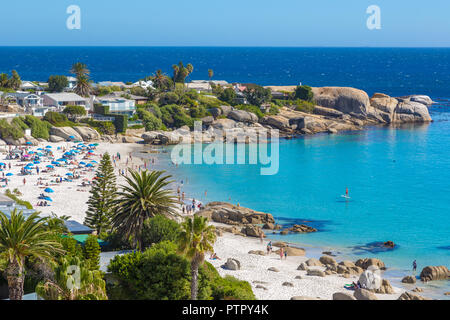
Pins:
x: 345, y: 100
x: 65, y: 132
x: 411, y: 296
x: 431, y: 273
x: 327, y: 112
x: 131, y: 139
x: 398, y: 110
x: 385, y: 288
x: 227, y: 213
x: 301, y: 228
x: 326, y: 260
x: 315, y: 272
x: 253, y: 231
x: 279, y: 122
x: 243, y: 116
x: 367, y: 262
x: 87, y: 133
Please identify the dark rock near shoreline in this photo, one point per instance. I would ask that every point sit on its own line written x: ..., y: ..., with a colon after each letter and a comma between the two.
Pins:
x: 363, y: 294
x: 367, y: 262
x: 431, y: 273
x: 409, y: 279
x: 411, y: 296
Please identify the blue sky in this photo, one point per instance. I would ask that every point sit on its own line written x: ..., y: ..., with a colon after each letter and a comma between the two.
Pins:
x: 408, y: 23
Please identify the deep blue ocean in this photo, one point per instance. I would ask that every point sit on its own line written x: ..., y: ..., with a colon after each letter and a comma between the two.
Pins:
x: 390, y: 70
x: 398, y: 178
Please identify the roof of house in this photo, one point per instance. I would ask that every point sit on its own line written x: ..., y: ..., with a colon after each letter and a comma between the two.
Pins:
x: 65, y: 96
x: 20, y: 94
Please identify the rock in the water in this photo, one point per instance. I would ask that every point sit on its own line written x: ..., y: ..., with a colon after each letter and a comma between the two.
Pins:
x: 315, y: 272
x: 409, y: 279
x: 417, y: 289
x: 430, y: 273
x: 273, y: 269
x: 227, y: 213
x: 232, y: 264
x: 363, y: 294
x: 302, y: 228
x: 327, y: 260
x: 343, y: 296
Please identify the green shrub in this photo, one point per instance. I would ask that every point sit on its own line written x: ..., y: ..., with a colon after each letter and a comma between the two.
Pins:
x: 101, y: 109
x: 304, y: 93
x: 158, y: 273
x: 158, y: 229
x: 39, y: 128
x: 168, y: 98
x: 175, y: 116
x: 230, y: 288
x: 151, y: 122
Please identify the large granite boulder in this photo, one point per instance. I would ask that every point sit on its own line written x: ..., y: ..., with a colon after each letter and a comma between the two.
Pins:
x: 15, y: 142
x: 327, y: 260
x: 65, y: 133
x: 54, y: 138
x: 343, y: 99
x: 430, y: 273
x: 327, y: 112
x: 410, y: 111
x: 165, y: 137
x: 315, y: 272
x: 292, y: 251
x: 253, y: 231
x: 232, y: 264
x: 206, y: 121
x: 363, y: 294
x: 313, y: 262
x: 31, y: 140
x: 87, y: 133
x: 409, y: 279
x: 243, y: 116
x: 223, y: 124
x: 385, y: 288
x: 277, y: 121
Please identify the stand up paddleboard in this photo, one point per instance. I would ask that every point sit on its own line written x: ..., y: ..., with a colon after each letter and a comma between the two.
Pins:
x: 345, y: 197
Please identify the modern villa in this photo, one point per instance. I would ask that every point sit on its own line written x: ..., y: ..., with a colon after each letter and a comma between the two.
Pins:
x: 117, y: 104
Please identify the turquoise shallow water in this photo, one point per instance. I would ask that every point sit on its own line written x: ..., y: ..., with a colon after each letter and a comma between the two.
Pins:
x: 398, y: 179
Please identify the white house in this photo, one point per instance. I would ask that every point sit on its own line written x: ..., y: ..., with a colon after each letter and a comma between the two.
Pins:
x: 26, y: 99
x: 60, y: 100
x: 118, y: 105
x: 144, y: 84
x: 28, y: 85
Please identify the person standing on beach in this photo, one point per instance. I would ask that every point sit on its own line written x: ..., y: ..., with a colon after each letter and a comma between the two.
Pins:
x: 414, y: 264
x: 261, y: 236
x: 285, y: 254
x: 182, y: 196
x: 24, y: 181
x: 281, y: 253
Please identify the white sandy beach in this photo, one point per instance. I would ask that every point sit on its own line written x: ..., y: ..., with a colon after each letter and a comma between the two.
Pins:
x: 254, y: 270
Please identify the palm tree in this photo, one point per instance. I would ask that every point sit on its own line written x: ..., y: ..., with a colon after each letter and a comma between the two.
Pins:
x: 196, y: 239
x: 81, y: 72
x: 22, y: 238
x: 143, y: 197
x: 160, y: 80
x: 210, y: 75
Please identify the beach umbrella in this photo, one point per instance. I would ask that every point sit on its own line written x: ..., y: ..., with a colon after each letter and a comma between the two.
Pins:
x: 48, y: 198
x: 28, y: 143
x: 69, y: 174
x: 90, y: 151
x: 40, y: 149
x: 37, y: 162
x: 49, y: 190
x: 9, y: 174
x: 93, y: 161
x: 50, y: 166
x: 71, y: 137
x: 82, y: 162
x: 55, y: 162
x: 48, y: 147
x: 89, y: 165
x: 2, y: 164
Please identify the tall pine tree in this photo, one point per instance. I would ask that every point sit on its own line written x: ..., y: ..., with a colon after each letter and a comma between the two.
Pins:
x: 103, y: 194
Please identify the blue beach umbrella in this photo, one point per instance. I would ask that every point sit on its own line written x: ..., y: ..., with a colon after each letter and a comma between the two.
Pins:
x: 28, y: 143
x: 93, y: 161
x: 49, y: 190
x: 9, y: 174
x: 2, y: 164
x: 50, y: 166
x: 69, y: 174
x: 89, y: 165
x: 82, y: 162
x: 48, y: 199
x: 48, y: 147
x: 37, y: 162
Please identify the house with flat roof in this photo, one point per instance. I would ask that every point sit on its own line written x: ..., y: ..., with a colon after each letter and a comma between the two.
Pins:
x: 118, y: 104
x: 29, y: 85
x: 60, y: 100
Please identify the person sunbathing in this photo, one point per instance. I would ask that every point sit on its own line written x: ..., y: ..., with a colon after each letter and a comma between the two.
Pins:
x: 214, y: 256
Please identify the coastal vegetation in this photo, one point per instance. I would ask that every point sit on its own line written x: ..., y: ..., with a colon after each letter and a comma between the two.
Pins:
x: 57, y: 83
x: 81, y: 72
